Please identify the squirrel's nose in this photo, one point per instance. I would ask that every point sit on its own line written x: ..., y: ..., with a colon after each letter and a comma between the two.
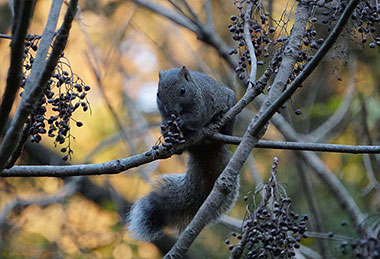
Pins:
x: 176, y: 110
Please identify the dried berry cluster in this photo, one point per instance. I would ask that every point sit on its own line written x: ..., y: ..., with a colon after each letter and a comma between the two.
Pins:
x: 366, y: 18
x: 261, y: 35
x: 64, y: 93
x: 328, y: 12
x: 273, y: 229
x: 365, y: 248
x: 171, y: 135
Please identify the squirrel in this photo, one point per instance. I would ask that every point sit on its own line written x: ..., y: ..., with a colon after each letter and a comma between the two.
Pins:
x: 194, y: 100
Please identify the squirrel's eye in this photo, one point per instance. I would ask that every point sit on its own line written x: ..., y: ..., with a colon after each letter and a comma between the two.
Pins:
x: 158, y: 95
x: 183, y: 91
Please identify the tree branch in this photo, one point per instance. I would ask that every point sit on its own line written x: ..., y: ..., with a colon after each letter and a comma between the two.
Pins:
x: 316, y: 219
x: 248, y: 41
x: 120, y: 165
x: 63, y: 193
x: 33, y: 87
x: 302, y: 146
x: 309, y: 67
x: 20, y: 28
x: 5, y: 36
x: 123, y: 132
x: 204, y: 32
x: 340, y: 193
x: 335, y: 121
x: 173, y: 16
x: 93, y: 192
x: 227, y: 180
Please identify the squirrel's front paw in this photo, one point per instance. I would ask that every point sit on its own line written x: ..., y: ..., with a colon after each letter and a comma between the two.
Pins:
x: 171, y: 133
x: 180, y: 122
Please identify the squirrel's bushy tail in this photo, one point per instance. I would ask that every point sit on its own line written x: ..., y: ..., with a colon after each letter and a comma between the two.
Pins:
x: 152, y: 213
x: 177, y: 198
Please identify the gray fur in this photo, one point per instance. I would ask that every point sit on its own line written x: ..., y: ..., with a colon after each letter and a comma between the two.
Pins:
x: 176, y: 198
x: 203, y: 102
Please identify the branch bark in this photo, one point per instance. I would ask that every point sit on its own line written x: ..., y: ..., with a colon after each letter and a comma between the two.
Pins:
x: 36, y: 81
x: 302, y: 146
x: 20, y: 28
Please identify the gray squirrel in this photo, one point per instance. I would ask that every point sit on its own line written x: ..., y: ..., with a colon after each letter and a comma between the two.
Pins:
x: 194, y: 100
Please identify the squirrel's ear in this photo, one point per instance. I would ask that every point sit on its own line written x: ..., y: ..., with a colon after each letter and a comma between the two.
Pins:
x: 185, y: 73
x: 160, y: 74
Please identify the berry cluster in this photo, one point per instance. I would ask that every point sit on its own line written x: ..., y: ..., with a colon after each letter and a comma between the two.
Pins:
x: 261, y: 35
x: 366, y: 18
x: 171, y: 135
x: 365, y: 248
x: 368, y: 246
x: 64, y: 93
x: 272, y: 229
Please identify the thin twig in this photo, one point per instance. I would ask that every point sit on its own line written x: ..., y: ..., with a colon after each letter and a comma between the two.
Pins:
x: 5, y: 36
x: 316, y: 219
x: 191, y: 11
x: 373, y: 183
x: 303, y: 146
x: 334, y: 123
x: 110, y: 167
x: 63, y: 193
x: 248, y: 41
x: 123, y: 131
x: 204, y: 32
x: 179, y: 9
x: 208, y: 10
x: 169, y: 14
x: 117, y: 166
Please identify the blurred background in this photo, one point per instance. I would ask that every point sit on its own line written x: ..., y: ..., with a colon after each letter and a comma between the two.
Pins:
x: 117, y: 48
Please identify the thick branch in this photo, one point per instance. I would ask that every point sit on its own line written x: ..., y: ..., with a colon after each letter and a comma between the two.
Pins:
x: 227, y: 179
x: 111, y: 167
x: 308, y: 69
x: 20, y: 28
x: 14, y: 133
